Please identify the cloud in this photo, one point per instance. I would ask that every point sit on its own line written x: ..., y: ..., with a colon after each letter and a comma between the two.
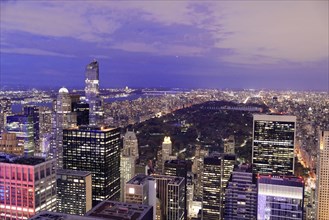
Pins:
x: 33, y: 51
x: 255, y: 32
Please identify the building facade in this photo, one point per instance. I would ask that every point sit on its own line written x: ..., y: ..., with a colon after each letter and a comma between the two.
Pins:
x: 280, y: 197
x: 28, y: 186
x: 95, y: 149
x: 128, y: 157
x: 74, y: 191
x: 216, y: 173
x: 9, y: 144
x: 22, y: 126
x: 274, y: 144
x: 322, y: 187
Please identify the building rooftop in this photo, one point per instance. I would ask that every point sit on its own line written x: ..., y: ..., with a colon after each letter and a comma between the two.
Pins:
x: 22, y: 160
x: 281, y: 180
x: 46, y: 215
x: 176, y: 180
x: 139, y: 179
x: 90, y: 128
x: 73, y: 172
x: 118, y: 210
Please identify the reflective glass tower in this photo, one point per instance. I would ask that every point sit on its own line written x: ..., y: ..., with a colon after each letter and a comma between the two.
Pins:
x: 92, y: 94
x: 274, y: 144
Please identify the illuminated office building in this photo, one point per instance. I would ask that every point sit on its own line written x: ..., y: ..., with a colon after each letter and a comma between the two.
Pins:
x: 141, y: 189
x: 322, y: 187
x: 129, y: 155
x: 74, y: 194
x: 9, y: 144
x: 92, y: 94
x: 95, y: 149
x: 216, y: 173
x: 27, y: 186
x: 22, y: 126
x: 274, y: 144
x: 280, y: 197
x: 45, y: 128
x: 241, y: 195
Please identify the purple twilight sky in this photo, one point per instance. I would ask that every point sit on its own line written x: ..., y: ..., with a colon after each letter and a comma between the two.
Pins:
x: 187, y: 44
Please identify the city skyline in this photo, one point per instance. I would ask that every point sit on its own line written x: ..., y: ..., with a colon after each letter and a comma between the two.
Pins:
x: 187, y: 44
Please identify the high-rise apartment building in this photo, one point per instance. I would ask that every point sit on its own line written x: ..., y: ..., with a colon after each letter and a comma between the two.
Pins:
x: 128, y: 158
x: 280, y: 197
x: 322, y: 170
x: 216, y: 173
x: 22, y: 126
x: 241, y: 195
x: 274, y: 144
x: 95, y: 149
x: 141, y: 189
x: 27, y: 186
x: 9, y: 144
x: 92, y: 94
x: 74, y: 191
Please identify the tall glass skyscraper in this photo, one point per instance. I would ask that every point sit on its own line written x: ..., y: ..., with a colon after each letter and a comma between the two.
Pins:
x: 92, y: 94
x: 95, y: 149
x: 274, y: 144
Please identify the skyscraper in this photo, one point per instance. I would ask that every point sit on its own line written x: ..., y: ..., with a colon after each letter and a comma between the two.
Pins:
x: 27, y: 186
x: 166, y: 153
x: 180, y: 168
x: 241, y: 195
x: 5, y: 110
x: 128, y: 158
x: 280, y: 197
x: 322, y: 187
x: 92, y: 94
x: 197, y: 168
x: 63, y: 119
x: 33, y: 112
x: 216, y: 173
x: 274, y: 144
x: 95, y: 149
x: 74, y: 194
